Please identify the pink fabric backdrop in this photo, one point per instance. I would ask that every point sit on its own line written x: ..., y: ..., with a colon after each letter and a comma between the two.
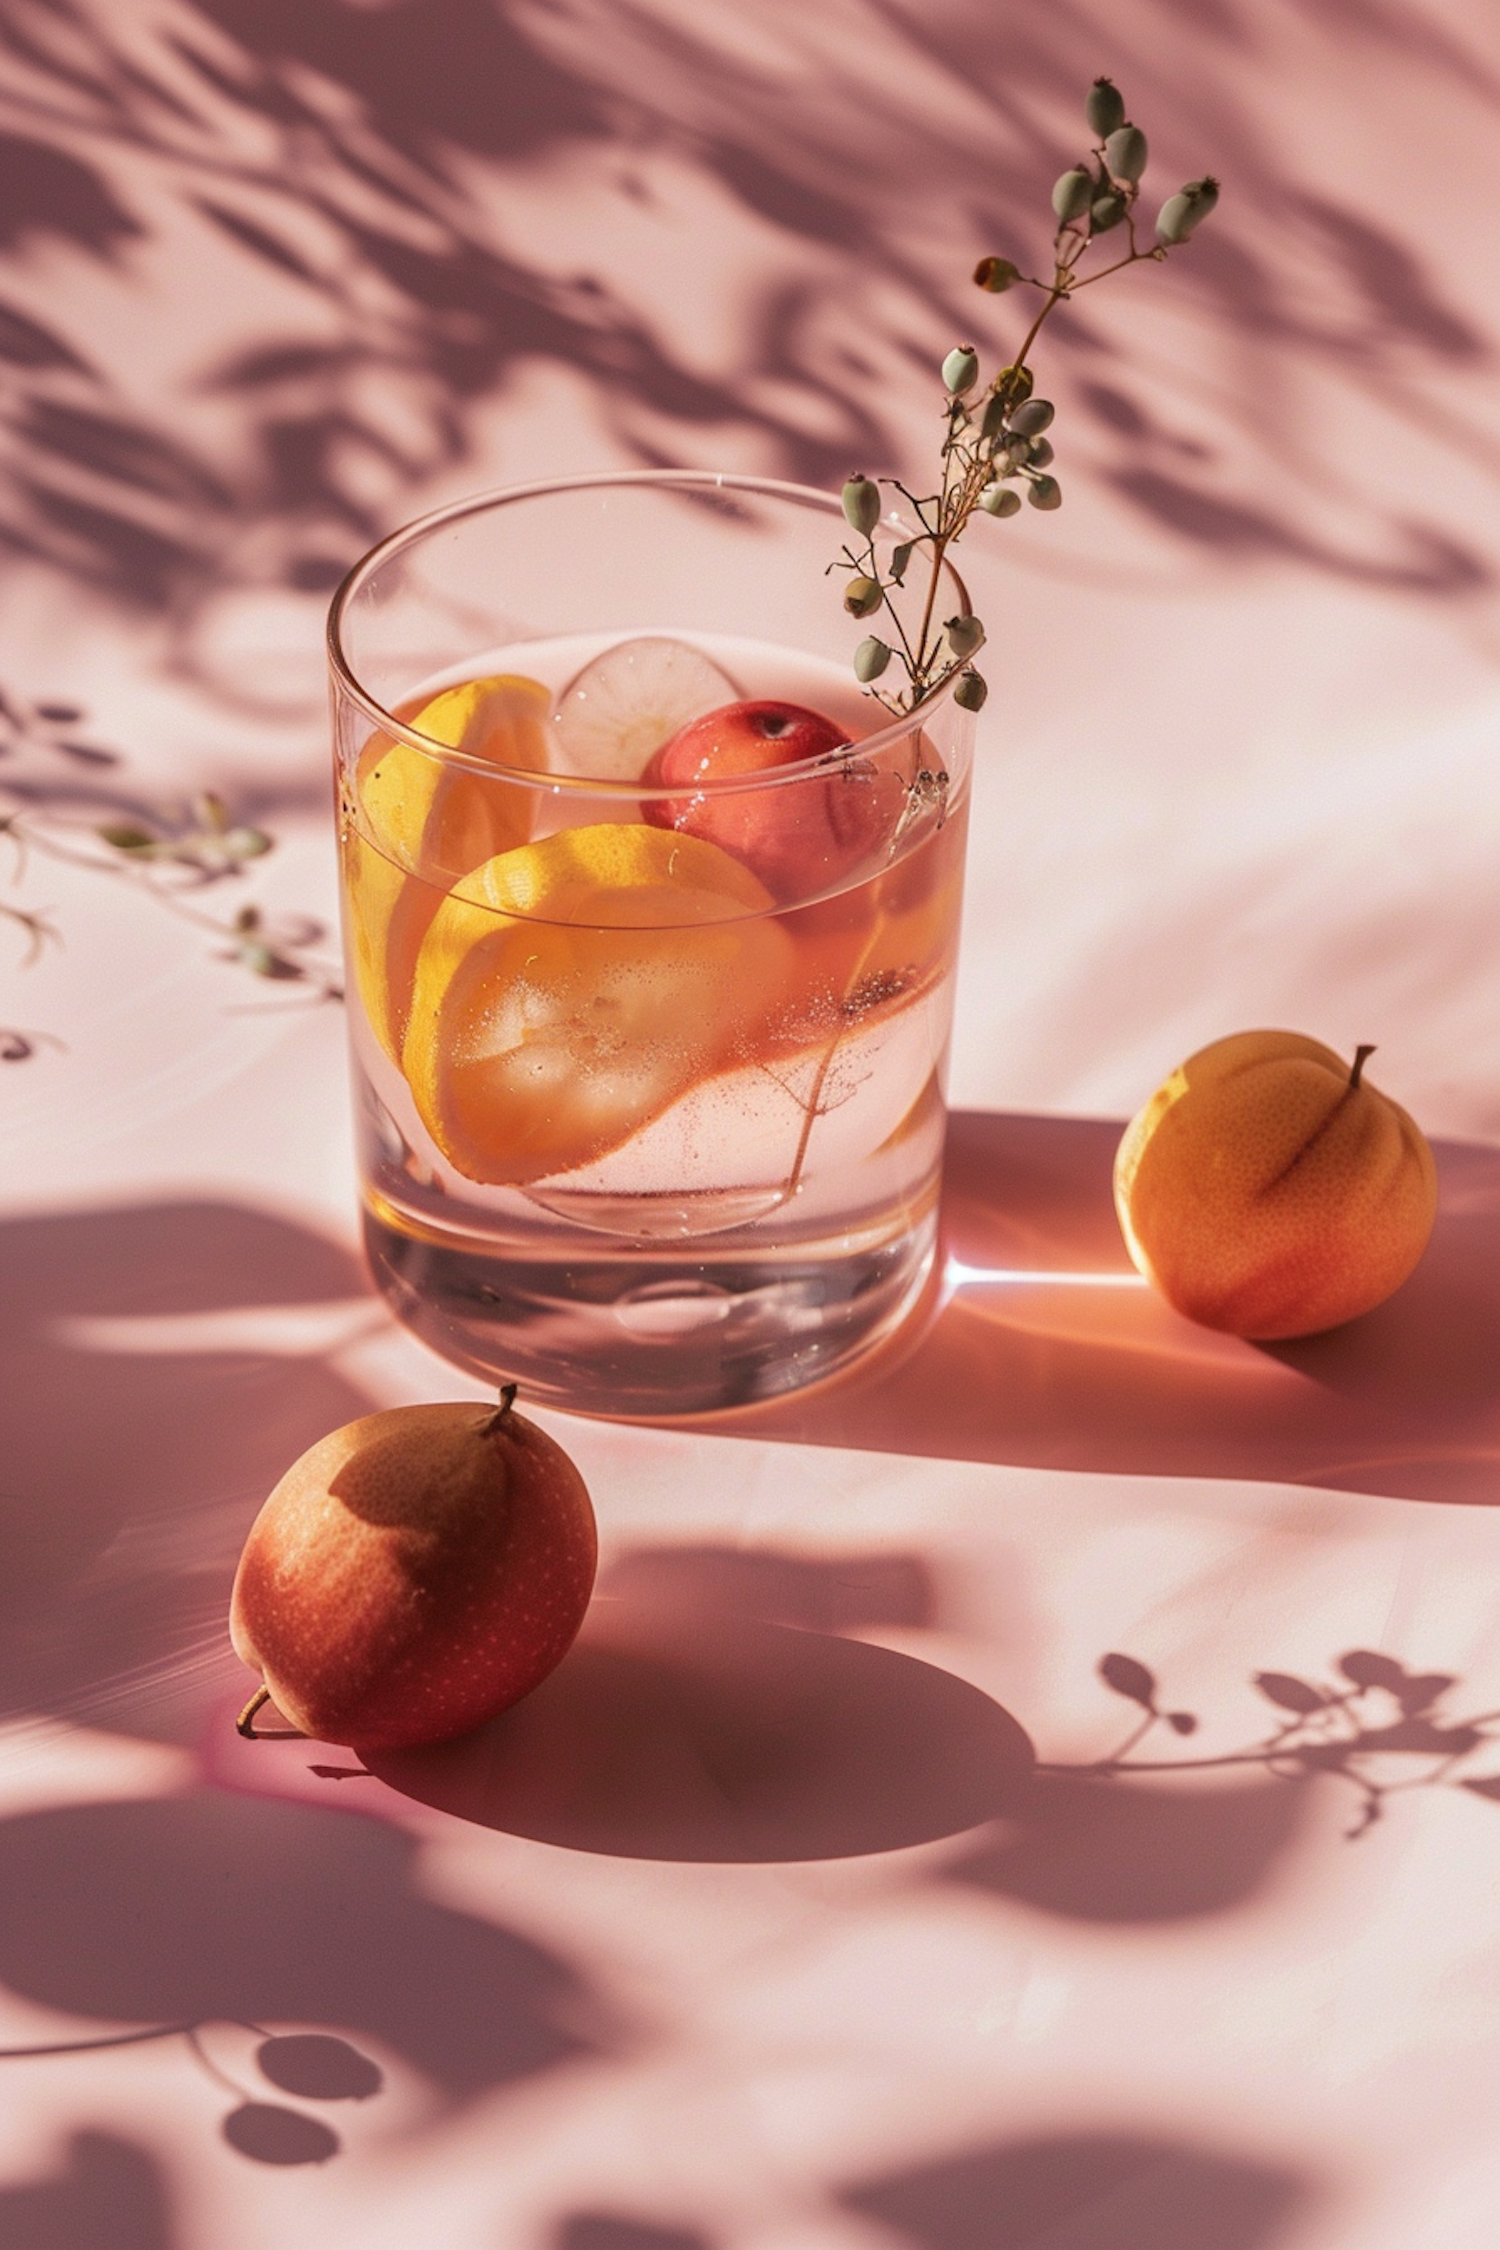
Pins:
x: 756, y: 1930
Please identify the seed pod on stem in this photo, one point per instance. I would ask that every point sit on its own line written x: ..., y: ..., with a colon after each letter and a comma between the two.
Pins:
x: 1185, y: 210
x: 971, y: 691
x: 1104, y: 108
x: 965, y: 635
x: 1107, y: 212
x: 1000, y: 500
x: 870, y: 660
x: 1125, y: 154
x: 1032, y: 416
x: 1071, y: 194
x: 861, y: 503
x: 1044, y: 492
x: 961, y: 370
x: 862, y: 596
x: 996, y: 274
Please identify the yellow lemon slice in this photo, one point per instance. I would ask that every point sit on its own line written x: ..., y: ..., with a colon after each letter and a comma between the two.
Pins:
x: 420, y: 824
x: 570, y: 991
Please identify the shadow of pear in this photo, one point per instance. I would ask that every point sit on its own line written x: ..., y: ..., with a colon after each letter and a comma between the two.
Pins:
x: 726, y: 1739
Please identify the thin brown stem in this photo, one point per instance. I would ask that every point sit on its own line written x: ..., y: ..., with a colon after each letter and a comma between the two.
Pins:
x: 245, y: 1723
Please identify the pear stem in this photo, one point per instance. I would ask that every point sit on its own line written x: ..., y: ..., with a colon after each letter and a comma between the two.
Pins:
x: 245, y: 1723
x: 1361, y: 1057
x: 507, y: 1401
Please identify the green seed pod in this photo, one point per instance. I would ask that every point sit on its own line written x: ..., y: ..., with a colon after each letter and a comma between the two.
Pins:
x: 259, y: 958
x: 125, y: 838
x: 247, y: 843
x: 1107, y: 212
x: 870, y: 660
x: 1044, y: 492
x: 1104, y: 108
x: 1013, y: 384
x: 1070, y: 195
x: 861, y: 502
x: 1042, y: 455
x: 1032, y: 417
x: 970, y: 692
x: 862, y: 596
x: 1125, y: 153
x: 996, y: 274
x: 965, y: 634
x: 961, y: 370
x: 1000, y: 500
x: 1183, y: 211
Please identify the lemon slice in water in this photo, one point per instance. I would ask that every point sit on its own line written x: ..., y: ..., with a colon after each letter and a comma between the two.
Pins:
x: 571, y: 990
x: 420, y: 824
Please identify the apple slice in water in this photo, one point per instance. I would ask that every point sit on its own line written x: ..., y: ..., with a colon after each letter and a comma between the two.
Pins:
x: 614, y: 715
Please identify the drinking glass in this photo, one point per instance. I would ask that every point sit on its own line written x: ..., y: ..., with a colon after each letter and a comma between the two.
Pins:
x: 648, y: 1047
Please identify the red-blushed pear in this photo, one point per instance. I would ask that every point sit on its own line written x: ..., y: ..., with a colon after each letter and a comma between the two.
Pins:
x: 799, y: 837
x: 413, y: 1574
x: 1267, y: 1188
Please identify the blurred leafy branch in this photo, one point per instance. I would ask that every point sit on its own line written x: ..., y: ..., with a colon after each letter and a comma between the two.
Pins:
x: 1374, y: 1719
x: 173, y: 854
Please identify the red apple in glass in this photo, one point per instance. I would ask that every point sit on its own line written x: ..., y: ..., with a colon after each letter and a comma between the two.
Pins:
x: 413, y: 1574
x: 799, y: 838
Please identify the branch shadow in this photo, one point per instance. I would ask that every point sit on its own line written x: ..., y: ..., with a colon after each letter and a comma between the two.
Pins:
x: 1048, y: 1351
x: 131, y: 1473
x: 1131, y: 1853
x: 1090, y: 2191
x: 212, y: 1907
x: 358, y: 159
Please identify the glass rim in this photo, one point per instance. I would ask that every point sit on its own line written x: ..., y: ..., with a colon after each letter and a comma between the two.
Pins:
x: 896, y: 729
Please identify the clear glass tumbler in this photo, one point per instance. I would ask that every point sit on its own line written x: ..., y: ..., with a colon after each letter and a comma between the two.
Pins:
x: 651, y: 918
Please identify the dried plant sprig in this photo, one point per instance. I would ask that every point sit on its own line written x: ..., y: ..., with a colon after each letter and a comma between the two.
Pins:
x: 996, y: 454
x: 170, y: 853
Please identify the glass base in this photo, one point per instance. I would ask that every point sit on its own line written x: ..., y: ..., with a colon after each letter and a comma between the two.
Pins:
x: 656, y: 1333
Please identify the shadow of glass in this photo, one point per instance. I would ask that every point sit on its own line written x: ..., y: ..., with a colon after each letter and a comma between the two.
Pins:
x: 1048, y: 1350
x: 130, y: 1476
x: 1088, y: 2191
x: 716, y: 1738
x: 1125, y: 1851
x: 206, y: 1907
x: 109, y: 2196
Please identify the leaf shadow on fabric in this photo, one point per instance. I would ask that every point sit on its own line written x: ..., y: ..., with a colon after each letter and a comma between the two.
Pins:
x: 132, y: 1468
x: 1092, y: 2191
x: 210, y: 1907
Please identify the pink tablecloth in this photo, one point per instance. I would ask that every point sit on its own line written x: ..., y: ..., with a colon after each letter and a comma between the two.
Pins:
x: 810, y: 1907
